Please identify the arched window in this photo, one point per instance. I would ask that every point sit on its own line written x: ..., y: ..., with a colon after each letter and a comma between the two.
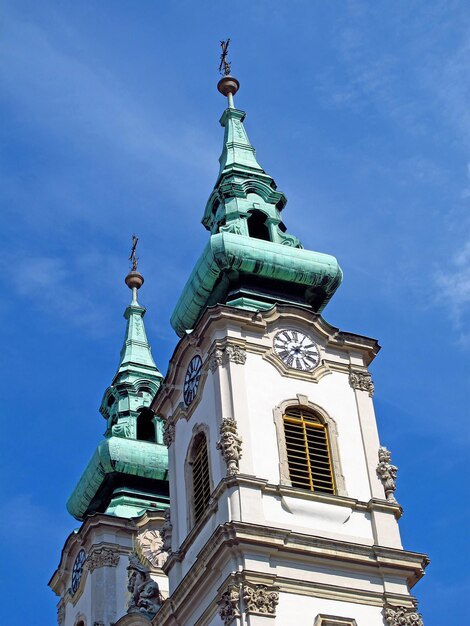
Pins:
x: 145, y: 425
x: 257, y: 227
x: 308, y: 450
x: 201, y: 484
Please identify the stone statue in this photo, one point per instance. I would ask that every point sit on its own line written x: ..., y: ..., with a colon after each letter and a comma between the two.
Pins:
x: 387, y: 473
x: 145, y: 593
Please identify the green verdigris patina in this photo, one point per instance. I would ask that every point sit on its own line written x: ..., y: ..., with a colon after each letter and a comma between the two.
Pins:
x: 128, y: 471
x: 251, y: 260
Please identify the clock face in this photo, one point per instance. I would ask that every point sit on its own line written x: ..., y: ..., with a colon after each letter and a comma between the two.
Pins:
x: 297, y: 350
x: 77, y: 570
x: 191, y: 380
x: 152, y: 547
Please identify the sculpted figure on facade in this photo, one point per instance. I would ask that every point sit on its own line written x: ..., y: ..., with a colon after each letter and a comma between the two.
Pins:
x: 387, y: 473
x: 102, y: 557
x: 168, y: 432
x: 145, y: 593
x: 229, y: 605
x: 260, y: 599
x: 230, y: 446
x: 402, y: 616
x: 166, y: 531
x: 361, y: 381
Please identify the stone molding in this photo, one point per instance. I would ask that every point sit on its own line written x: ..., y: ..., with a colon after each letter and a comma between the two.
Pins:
x: 260, y: 599
x: 221, y: 318
x: 401, y: 616
x: 61, y: 615
x: 230, y: 353
x: 387, y: 473
x: 102, y: 557
x: 168, y: 432
x: 334, y: 620
x: 229, y: 445
x: 229, y: 604
x: 361, y: 381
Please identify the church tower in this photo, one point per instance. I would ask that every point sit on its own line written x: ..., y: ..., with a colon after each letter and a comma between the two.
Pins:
x: 282, y: 497
x: 121, y: 496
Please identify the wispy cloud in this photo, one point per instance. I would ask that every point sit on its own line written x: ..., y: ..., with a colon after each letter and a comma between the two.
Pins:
x: 69, y: 289
x: 453, y: 292
x: 85, y: 104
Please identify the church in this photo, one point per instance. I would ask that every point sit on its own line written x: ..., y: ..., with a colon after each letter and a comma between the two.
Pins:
x: 249, y: 486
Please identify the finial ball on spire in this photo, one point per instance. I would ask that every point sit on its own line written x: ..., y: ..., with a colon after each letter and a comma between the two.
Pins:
x: 134, y: 280
x: 228, y: 85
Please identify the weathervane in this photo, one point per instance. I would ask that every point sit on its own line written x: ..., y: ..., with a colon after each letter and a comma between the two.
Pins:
x: 224, y: 67
x: 133, y: 258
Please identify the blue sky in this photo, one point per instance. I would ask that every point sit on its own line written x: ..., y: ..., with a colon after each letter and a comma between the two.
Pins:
x: 360, y: 111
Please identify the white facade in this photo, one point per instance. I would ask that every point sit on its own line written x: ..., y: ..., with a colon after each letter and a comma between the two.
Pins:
x: 309, y: 554
x: 102, y: 595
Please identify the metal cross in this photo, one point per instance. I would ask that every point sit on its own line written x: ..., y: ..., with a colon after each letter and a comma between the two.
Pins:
x: 224, y: 67
x: 133, y: 258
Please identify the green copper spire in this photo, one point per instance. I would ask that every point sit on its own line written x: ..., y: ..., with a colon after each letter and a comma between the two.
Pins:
x: 251, y: 260
x: 128, y: 471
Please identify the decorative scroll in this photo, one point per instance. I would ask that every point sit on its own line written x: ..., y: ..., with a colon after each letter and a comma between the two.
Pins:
x: 145, y: 593
x: 102, y: 557
x: 229, y: 605
x: 260, y: 599
x: 361, y: 381
x: 387, y: 473
x: 402, y: 616
x: 229, y: 445
x: 168, y: 432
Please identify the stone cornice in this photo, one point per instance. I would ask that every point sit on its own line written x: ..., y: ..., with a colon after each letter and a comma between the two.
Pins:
x: 231, y: 319
x: 409, y: 564
x: 198, y: 580
x: 281, y: 490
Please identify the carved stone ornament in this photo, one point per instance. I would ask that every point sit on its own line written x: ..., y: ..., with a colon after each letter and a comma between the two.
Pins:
x: 61, y: 615
x: 145, y: 593
x: 229, y: 445
x: 235, y: 354
x: 229, y: 605
x: 402, y: 616
x: 166, y: 531
x: 168, y: 432
x: 361, y: 381
x: 102, y: 557
x: 387, y: 473
x: 215, y: 359
x: 260, y: 599
x: 230, y: 353
x: 152, y: 547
